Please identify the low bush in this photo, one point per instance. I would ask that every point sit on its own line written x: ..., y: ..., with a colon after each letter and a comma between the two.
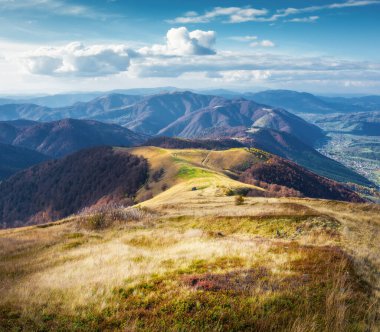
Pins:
x: 239, y: 200
x: 111, y: 215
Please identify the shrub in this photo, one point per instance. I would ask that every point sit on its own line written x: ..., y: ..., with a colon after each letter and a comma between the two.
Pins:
x: 111, y: 215
x: 164, y: 187
x: 239, y: 200
x: 97, y: 221
x: 157, y: 175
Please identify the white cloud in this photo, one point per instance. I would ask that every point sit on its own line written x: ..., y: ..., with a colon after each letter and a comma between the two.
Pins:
x: 75, y: 59
x: 244, y: 38
x: 180, y: 59
x: 180, y: 41
x: 231, y: 14
x: 263, y: 43
x: 241, y: 75
x: 53, y: 6
x: 249, y: 14
x: 310, y: 19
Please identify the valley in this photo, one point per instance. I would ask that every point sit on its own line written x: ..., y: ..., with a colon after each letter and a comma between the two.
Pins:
x: 356, y: 152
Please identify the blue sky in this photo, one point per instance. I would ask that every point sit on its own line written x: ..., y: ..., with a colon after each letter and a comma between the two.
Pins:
x: 49, y: 46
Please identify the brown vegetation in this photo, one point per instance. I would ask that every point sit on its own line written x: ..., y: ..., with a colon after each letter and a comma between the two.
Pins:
x: 283, y: 172
x: 57, y: 189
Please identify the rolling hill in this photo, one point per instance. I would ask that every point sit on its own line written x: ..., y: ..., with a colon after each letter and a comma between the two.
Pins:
x: 189, y: 255
x: 58, y: 188
x: 63, y: 137
x: 14, y: 159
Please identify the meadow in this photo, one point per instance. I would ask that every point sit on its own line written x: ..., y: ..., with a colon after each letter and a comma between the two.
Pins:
x: 192, y: 260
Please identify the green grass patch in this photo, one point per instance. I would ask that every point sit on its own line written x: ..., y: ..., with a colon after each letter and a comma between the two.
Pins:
x: 189, y: 172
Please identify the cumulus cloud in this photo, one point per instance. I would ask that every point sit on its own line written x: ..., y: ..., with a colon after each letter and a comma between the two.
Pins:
x: 78, y: 60
x: 180, y: 41
x: 182, y: 58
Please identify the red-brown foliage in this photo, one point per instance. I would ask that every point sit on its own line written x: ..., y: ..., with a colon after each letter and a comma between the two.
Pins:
x: 280, y: 172
x: 59, y: 188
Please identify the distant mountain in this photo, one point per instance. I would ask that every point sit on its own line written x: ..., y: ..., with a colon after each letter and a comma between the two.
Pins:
x: 224, y: 115
x: 365, y: 103
x: 10, y: 129
x: 366, y: 123
x: 24, y: 111
x: 69, y: 99
x: 300, y: 102
x: 289, y: 147
x: 14, y: 159
x: 66, y: 136
x: 95, y: 109
x: 183, y: 114
x: 154, y: 113
x: 293, y: 101
x: 59, y: 188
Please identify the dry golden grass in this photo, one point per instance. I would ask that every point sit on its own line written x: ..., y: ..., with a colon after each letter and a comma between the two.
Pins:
x: 198, y: 263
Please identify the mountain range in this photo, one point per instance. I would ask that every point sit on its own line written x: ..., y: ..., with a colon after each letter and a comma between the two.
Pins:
x: 303, y: 102
x: 183, y: 114
x: 174, y: 114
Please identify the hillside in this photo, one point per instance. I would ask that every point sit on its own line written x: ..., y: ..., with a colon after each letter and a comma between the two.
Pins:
x: 190, y: 259
x: 188, y: 168
x: 291, y: 148
x: 365, y: 123
x: 66, y: 136
x: 58, y: 188
x: 286, y: 173
x: 14, y: 159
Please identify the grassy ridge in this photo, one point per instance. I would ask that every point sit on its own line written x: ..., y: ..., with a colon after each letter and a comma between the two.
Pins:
x: 284, y: 269
x: 188, y: 258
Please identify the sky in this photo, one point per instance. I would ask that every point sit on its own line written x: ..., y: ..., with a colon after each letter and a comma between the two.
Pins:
x: 320, y: 46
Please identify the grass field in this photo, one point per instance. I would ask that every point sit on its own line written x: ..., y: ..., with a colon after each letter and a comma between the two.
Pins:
x: 192, y: 260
